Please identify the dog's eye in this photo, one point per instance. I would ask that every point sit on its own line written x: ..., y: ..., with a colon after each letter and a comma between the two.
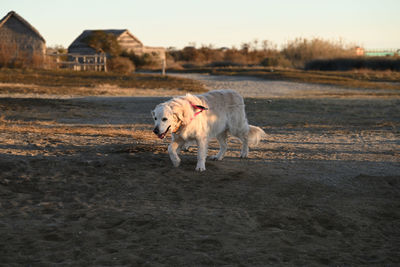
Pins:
x: 155, y: 118
x: 164, y: 119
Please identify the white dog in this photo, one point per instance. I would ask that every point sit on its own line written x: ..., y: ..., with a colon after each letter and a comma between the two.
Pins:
x: 199, y: 118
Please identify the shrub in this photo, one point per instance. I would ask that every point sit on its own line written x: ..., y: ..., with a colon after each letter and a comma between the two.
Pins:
x: 295, y: 53
x: 301, y: 50
x: 235, y: 56
x: 224, y: 64
x: 104, y: 42
x: 344, y: 64
x: 120, y: 65
x: 276, y: 61
x: 209, y: 54
x: 191, y: 66
x: 139, y: 61
x: 190, y: 53
x: 249, y: 54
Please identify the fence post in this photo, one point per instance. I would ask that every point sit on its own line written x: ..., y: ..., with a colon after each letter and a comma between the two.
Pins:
x: 95, y: 62
x: 105, y: 62
x: 164, y: 64
x: 57, y: 62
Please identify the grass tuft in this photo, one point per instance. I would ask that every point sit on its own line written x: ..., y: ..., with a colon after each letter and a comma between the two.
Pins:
x: 61, y: 82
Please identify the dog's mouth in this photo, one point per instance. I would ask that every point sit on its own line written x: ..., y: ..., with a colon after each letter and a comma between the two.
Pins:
x: 162, y: 135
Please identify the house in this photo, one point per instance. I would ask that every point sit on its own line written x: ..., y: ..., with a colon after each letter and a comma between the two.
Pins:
x: 359, y: 51
x: 126, y: 40
x: 20, y: 41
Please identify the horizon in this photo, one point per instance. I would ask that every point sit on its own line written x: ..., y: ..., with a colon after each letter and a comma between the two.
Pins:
x: 176, y: 23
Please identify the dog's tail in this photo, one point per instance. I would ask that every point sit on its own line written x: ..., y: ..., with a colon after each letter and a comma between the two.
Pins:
x: 255, y: 135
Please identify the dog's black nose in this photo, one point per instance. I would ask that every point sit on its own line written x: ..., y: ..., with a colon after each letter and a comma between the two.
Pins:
x: 156, y: 130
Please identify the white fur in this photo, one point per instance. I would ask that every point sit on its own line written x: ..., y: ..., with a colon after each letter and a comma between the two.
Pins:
x: 225, y: 115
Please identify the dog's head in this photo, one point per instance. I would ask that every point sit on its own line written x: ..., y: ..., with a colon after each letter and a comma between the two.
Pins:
x: 166, y: 117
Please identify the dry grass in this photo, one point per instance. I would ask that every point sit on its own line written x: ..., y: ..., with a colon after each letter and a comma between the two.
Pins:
x: 54, y: 128
x: 301, y: 50
x: 83, y: 83
x: 32, y: 90
x: 366, y: 79
x: 295, y: 53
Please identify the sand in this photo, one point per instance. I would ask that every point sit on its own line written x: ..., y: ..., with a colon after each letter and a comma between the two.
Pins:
x: 83, y: 182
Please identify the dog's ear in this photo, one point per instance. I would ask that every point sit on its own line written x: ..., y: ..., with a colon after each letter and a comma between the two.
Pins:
x: 179, y: 113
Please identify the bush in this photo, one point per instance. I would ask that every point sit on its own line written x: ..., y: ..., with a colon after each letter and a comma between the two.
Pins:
x: 248, y: 54
x: 295, y: 53
x: 120, y: 65
x: 190, y: 66
x: 276, y: 61
x: 300, y: 51
x: 224, y: 64
x: 344, y: 64
x: 146, y: 59
x: 235, y: 56
x: 104, y: 42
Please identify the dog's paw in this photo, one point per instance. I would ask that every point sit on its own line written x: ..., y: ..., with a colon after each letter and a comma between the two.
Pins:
x: 244, y: 155
x: 176, y: 162
x: 200, y: 167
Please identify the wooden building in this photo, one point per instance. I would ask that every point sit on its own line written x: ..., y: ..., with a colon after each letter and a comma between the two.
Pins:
x: 126, y: 40
x: 359, y: 51
x: 20, y: 41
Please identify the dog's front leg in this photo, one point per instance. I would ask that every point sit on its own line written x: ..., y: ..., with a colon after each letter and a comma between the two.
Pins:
x: 173, y: 153
x: 201, y: 154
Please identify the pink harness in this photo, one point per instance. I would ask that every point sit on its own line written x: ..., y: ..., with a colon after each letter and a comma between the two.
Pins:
x: 197, y: 107
x: 195, y: 114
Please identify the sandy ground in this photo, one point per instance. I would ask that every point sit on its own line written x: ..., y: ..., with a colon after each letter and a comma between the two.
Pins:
x: 253, y: 87
x: 83, y: 182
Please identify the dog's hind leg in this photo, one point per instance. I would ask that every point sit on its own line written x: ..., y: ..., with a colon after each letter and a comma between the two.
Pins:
x: 244, y: 153
x: 223, y: 146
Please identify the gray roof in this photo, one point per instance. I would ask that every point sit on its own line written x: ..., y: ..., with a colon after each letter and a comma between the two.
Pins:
x: 77, y: 43
x: 23, y: 21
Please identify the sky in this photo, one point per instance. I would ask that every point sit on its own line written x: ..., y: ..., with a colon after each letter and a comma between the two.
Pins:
x: 372, y: 24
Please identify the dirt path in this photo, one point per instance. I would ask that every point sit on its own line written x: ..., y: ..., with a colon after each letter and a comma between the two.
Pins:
x: 84, y: 182
x: 252, y: 87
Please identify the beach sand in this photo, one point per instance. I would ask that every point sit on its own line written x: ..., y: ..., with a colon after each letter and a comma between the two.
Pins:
x: 84, y: 182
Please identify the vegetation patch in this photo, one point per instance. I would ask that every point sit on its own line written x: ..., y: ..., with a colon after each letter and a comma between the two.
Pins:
x: 365, y: 79
x: 65, y: 79
x: 345, y: 64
